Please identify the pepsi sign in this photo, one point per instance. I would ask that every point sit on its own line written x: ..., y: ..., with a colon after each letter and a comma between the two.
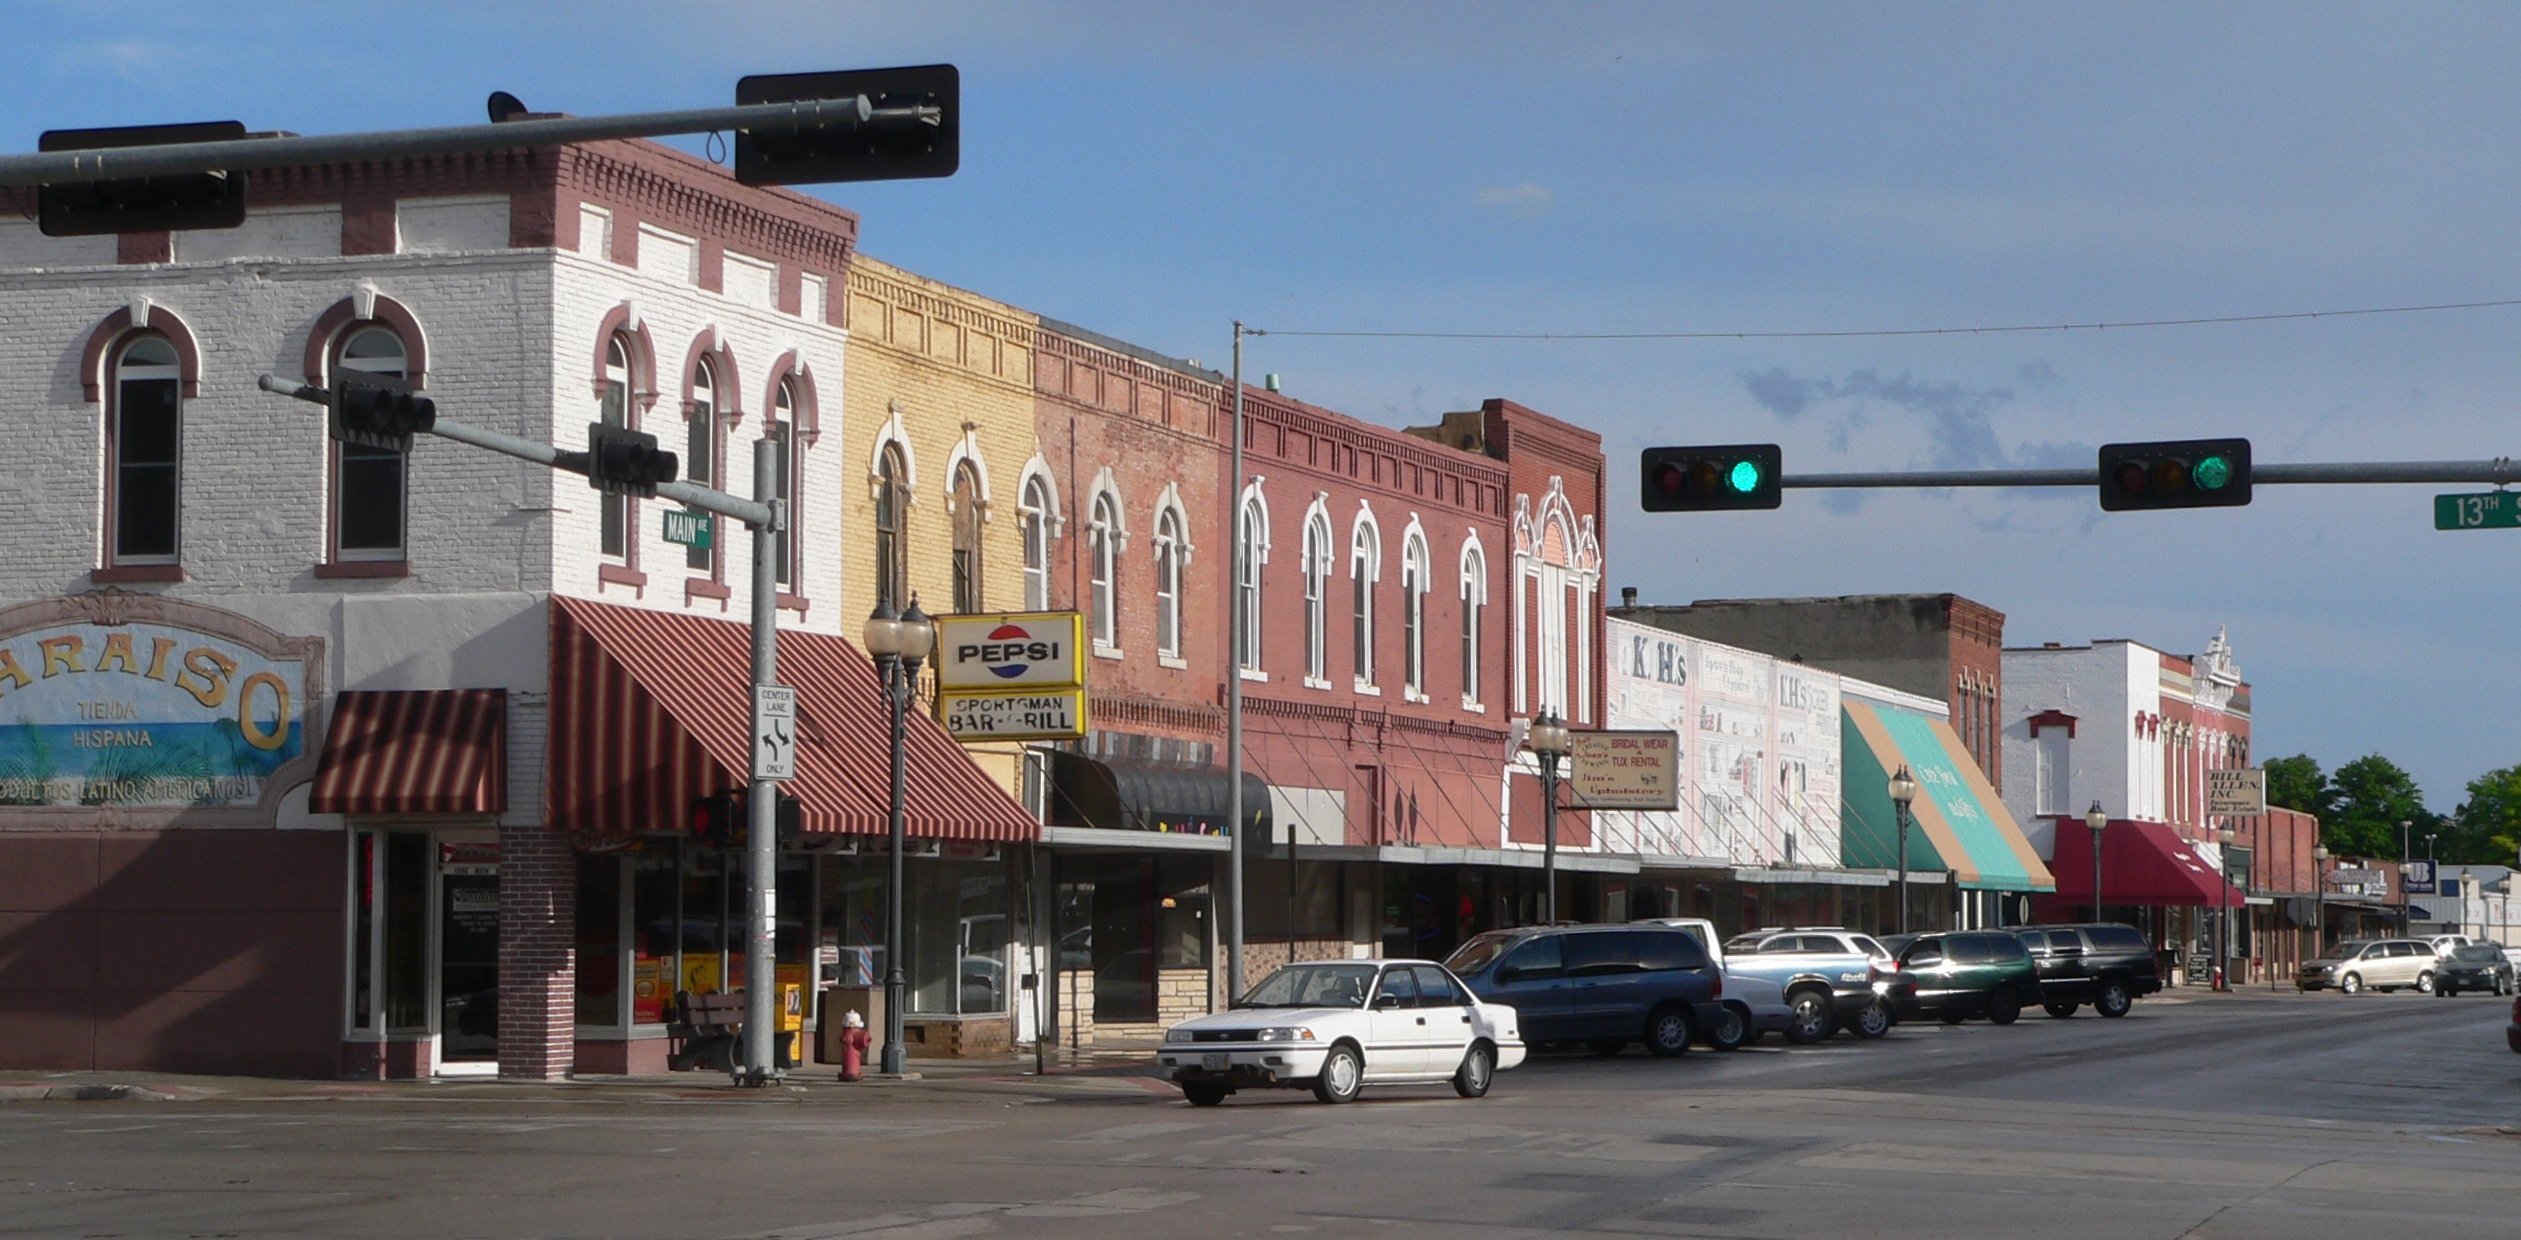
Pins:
x: 1020, y: 650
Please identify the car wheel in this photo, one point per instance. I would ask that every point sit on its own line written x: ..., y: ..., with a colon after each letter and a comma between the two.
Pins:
x: 1477, y: 1070
x: 2004, y: 1007
x: 1812, y: 1019
x: 1343, y: 1074
x: 2114, y: 999
x: 2060, y: 1010
x: 1873, y: 1020
x: 1607, y: 1047
x: 2424, y: 982
x: 1204, y: 1093
x: 1729, y: 1031
x: 1667, y: 1030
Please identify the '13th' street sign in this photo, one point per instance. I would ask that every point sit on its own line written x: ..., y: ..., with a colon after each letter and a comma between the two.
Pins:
x: 2483, y: 510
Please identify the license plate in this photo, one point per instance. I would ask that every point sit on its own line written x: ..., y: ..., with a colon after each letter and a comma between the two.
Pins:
x: 1213, y: 1063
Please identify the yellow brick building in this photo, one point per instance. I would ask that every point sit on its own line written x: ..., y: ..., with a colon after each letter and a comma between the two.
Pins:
x: 939, y: 396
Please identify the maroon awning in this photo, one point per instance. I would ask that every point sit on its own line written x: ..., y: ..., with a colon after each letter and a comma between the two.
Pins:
x: 419, y: 751
x: 2141, y: 863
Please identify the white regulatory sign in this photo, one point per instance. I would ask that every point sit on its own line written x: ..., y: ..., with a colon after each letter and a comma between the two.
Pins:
x: 774, y: 732
x: 2238, y: 792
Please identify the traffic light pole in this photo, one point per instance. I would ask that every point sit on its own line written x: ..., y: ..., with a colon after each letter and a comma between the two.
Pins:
x: 2498, y: 472
x: 767, y: 516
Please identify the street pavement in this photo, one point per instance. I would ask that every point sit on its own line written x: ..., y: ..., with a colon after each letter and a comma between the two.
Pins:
x: 2208, y: 1116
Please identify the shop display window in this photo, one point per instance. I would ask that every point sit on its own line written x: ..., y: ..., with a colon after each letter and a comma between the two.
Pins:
x: 407, y: 909
x: 653, y: 888
x: 363, y: 961
x: 670, y: 917
x: 956, y: 925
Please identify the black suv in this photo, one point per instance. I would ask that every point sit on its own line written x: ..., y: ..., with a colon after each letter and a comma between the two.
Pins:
x: 2106, y: 965
x: 1603, y: 986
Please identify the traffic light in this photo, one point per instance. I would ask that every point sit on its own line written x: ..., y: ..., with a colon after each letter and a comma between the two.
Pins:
x: 718, y: 820
x: 1710, y: 478
x: 2180, y: 473
x: 884, y: 148
x: 179, y: 201
x: 379, y: 411
x: 627, y: 462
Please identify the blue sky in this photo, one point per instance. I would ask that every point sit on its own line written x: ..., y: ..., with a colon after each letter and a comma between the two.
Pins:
x: 1155, y: 171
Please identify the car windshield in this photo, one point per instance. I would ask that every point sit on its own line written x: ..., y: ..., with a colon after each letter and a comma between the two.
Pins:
x: 1313, y: 985
x: 1744, y: 942
x: 2350, y: 949
x: 1475, y: 955
x: 2477, y: 953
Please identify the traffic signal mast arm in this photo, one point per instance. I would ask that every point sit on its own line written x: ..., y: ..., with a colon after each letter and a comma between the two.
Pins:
x: 751, y: 512
x: 2498, y: 472
x: 803, y: 116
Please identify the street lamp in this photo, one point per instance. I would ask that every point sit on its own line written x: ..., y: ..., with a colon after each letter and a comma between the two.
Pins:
x: 2405, y: 855
x: 2319, y: 899
x: 1903, y: 791
x: 2098, y: 819
x: 1547, y: 739
x: 2223, y: 912
x: 900, y: 642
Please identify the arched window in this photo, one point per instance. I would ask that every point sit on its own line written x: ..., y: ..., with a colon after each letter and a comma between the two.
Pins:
x: 369, y: 483
x: 1033, y: 526
x: 1365, y: 569
x: 1103, y: 567
x: 1253, y: 546
x: 892, y: 586
x: 967, y: 560
x: 1168, y: 584
x: 1317, y: 572
x: 615, y: 411
x: 788, y: 553
x: 144, y: 442
x: 700, y: 457
x: 1414, y: 616
x: 1474, y: 599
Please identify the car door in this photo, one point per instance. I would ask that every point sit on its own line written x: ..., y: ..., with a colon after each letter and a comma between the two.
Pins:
x: 1604, y: 984
x: 2067, y: 969
x: 1934, y: 970
x: 1448, y: 1028
x: 1395, y: 1027
x: 1532, y: 979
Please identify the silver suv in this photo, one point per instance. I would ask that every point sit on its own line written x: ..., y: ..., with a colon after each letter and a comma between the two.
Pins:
x: 2372, y: 964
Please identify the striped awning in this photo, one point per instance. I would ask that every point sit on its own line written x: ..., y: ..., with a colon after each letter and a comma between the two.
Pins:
x: 417, y: 751
x: 651, y: 710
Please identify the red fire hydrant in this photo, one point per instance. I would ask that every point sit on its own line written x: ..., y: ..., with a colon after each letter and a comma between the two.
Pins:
x: 854, y: 1041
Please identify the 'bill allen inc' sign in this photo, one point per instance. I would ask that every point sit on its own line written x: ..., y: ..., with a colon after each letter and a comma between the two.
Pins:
x: 131, y: 702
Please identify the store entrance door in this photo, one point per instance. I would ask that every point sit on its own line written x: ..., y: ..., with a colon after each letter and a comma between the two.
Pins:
x: 468, y: 957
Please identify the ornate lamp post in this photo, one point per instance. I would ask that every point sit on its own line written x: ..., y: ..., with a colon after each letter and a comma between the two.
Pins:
x: 2098, y: 819
x: 2222, y: 976
x: 1547, y: 739
x: 1903, y: 791
x: 2319, y: 899
x: 900, y: 643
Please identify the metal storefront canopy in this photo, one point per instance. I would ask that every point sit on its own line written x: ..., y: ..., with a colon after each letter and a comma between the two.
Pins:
x: 1958, y: 821
x: 1164, y: 798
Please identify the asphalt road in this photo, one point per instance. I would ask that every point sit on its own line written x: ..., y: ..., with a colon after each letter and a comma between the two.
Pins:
x: 2377, y: 1116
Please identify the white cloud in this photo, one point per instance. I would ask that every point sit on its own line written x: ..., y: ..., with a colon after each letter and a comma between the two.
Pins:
x: 1522, y: 200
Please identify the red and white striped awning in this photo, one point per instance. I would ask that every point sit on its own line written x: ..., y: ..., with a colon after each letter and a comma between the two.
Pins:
x: 418, y: 751
x: 651, y: 710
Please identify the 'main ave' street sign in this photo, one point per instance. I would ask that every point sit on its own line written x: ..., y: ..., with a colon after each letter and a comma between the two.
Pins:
x: 2483, y: 510
x: 691, y: 529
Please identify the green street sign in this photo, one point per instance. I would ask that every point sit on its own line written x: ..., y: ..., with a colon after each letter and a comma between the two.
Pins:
x: 691, y: 529
x: 2484, y: 510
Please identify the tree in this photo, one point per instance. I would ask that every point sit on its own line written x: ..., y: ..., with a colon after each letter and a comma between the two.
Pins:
x: 2298, y: 783
x: 2371, y: 797
x: 2489, y: 823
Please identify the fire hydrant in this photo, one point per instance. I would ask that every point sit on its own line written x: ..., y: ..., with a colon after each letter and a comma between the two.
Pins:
x: 854, y: 1041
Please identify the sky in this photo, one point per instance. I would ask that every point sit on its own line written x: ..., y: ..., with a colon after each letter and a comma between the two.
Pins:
x: 1157, y: 171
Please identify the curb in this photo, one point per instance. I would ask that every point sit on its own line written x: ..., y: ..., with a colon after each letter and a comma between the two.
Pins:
x: 83, y: 1093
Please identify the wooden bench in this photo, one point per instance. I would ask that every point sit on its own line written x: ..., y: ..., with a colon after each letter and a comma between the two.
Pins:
x: 708, y: 1025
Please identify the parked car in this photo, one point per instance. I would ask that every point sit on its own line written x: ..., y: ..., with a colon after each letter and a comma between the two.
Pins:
x: 2443, y: 943
x: 2474, y: 966
x: 1964, y: 973
x: 1829, y: 978
x: 1336, y: 1027
x: 2377, y: 964
x: 1752, y: 1005
x: 2512, y: 1032
x: 2104, y: 964
x: 1602, y: 986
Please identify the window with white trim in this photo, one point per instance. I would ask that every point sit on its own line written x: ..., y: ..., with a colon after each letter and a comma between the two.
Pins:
x: 1317, y: 572
x: 892, y: 472
x: 144, y: 468
x: 1254, y: 545
x: 1365, y: 569
x: 1103, y: 568
x: 1168, y: 584
x: 700, y: 457
x: 1033, y: 524
x: 967, y: 558
x: 1474, y: 599
x: 613, y: 507
x: 369, y: 483
x: 1414, y: 616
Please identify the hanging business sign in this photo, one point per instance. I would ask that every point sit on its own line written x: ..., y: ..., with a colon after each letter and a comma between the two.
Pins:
x: 113, y: 702
x: 2237, y: 792
x: 1011, y: 650
x: 1056, y: 715
x: 1624, y: 769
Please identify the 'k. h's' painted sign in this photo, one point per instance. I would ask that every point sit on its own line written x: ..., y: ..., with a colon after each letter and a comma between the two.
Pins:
x: 1015, y: 650
x: 139, y: 702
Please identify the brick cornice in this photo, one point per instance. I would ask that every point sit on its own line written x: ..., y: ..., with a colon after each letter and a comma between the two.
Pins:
x: 905, y: 294
x: 1324, y: 424
x: 820, y: 237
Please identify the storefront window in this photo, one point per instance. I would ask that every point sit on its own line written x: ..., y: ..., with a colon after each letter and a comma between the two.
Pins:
x: 407, y: 909
x: 653, y: 875
x: 599, y: 940
x: 363, y: 935
x: 955, y: 927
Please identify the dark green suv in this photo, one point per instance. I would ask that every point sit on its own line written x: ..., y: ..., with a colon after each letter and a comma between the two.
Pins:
x: 1965, y: 973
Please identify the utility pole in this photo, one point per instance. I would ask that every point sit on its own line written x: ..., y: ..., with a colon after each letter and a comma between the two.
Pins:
x: 1236, y: 643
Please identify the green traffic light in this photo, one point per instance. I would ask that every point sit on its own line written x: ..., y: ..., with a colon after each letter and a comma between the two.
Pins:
x: 2213, y: 473
x: 1745, y: 477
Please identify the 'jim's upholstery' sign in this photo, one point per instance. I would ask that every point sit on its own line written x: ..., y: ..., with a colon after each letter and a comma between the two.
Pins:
x: 133, y: 702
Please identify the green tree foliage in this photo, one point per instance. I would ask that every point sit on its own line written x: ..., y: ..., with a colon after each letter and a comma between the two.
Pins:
x: 2371, y: 797
x: 2298, y: 783
x: 2488, y: 826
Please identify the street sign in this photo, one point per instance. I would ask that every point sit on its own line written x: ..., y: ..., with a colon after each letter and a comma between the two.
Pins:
x: 691, y: 529
x: 2238, y: 792
x: 1638, y: 769
x: 1052, y: 716
x: 2482, y: 510
x: 774, y: 732
x: 1011, y: 650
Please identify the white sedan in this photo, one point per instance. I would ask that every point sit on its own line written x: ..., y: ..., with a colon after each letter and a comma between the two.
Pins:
x: 1338, y: 1026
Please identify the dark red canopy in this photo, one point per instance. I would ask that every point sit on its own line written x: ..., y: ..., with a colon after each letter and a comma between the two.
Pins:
x: 2141, y: 863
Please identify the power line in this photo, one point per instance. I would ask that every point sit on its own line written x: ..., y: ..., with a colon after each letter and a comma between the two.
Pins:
x: 2010, y: 328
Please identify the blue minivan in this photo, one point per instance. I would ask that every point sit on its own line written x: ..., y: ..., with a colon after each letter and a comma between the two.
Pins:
x: 1602, y: 986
